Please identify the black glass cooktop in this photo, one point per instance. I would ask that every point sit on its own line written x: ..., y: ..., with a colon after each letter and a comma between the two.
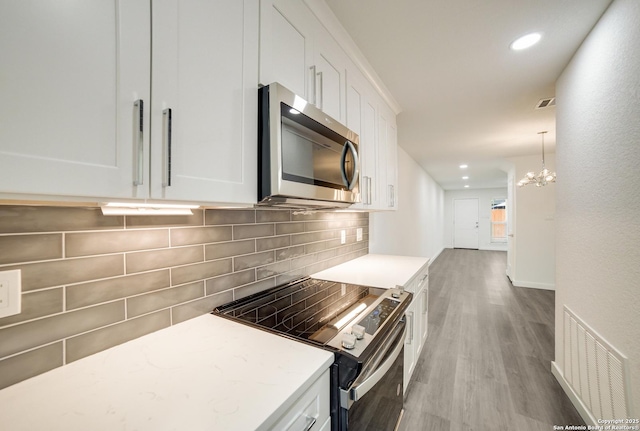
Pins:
x: 302, y: 309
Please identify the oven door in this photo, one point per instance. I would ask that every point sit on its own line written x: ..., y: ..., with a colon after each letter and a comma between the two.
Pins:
x: 374, y: 401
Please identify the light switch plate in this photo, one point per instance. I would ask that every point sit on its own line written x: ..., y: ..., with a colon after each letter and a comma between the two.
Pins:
x: 10, y: 292
x: 343, y: 237
x: 359, y: 234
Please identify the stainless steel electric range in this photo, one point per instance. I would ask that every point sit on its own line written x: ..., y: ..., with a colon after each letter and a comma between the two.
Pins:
x: 363, y: 326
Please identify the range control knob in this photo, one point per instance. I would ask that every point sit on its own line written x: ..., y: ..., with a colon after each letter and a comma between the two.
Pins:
x: 358, y: 331
x: 348, y: 341
x: 395, y: 295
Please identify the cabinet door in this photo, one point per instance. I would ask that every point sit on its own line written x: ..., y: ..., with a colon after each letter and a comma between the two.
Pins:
x: 330, y: 75
x: 355, y: 110
x: 383, y: 144
x: 425, y: 315
x: 410, y: 345
x: 286, y: 46
x: 392, y: 163
x: 71, y: 74
x: 423, y: 285
x: 204, y: 114
x: 388, y: 162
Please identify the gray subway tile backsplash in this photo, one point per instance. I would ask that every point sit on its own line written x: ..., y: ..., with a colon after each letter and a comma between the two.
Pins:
x: 111, y: 289
x: 163, y: 258
x: 93, y: 243
x: 30, y: 364
x: 165, y: 298
x: 30, y: 248
x: 95, y: 341
x: 229, y: 249
x: 69, y: 271
x: 91, y: 282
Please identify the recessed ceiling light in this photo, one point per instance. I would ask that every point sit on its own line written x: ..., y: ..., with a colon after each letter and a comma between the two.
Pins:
x: 466, y: 186
x: 525, y: 41
x: 464, y: 166
x: 465, y: 178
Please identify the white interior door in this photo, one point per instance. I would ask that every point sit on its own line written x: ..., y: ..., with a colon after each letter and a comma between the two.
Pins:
x: 465, y: 223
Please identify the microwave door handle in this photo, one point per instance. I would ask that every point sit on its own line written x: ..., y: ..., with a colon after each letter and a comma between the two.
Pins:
x: 350, y: 182
x: 360, y: 389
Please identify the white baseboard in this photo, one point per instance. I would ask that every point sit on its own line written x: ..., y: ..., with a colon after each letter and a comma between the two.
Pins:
x: 494, y: 247
x: 533, y: 284
x: 573, y: 397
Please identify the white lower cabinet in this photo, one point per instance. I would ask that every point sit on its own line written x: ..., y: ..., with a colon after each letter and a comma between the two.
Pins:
x: 416, y: 322
x: 410, y: 351
x: 311, y: 411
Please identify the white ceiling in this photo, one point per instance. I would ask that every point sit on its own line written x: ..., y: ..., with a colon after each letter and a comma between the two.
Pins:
x: 465, y: 96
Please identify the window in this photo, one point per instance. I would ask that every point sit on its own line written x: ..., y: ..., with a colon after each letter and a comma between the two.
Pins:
x: 498, y: 220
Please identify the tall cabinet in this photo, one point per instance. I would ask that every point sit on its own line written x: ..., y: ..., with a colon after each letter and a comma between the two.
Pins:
x: 82, y: 117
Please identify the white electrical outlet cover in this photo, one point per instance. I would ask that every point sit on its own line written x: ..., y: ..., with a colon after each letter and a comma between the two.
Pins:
x: 343, y: 237
x: 10, y: 292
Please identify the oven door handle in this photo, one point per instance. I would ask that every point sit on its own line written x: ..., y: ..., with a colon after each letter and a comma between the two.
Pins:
x: 360, y: 389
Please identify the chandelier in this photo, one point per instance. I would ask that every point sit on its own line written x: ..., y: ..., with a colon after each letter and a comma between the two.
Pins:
x: 543, y: 177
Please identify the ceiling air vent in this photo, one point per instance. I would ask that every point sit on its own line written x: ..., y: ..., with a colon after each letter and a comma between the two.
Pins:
x: 546, y: 103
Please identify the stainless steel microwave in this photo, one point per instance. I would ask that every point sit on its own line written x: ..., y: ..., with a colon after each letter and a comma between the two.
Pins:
x: 306, y: 159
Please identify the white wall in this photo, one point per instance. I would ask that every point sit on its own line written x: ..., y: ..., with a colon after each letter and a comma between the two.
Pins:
x: 598, y: 215
x: 415, y: 228
x: 534, y: 230
x: 484, y: 197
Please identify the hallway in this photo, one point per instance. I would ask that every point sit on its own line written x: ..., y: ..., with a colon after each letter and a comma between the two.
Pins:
x: 486, y: 363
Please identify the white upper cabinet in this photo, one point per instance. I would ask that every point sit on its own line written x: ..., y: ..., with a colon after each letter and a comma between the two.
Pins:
x: 77, y: 118
x: 330, y: 71
x: 204, y: 110
x: 361, y: 114
x: 388, y: 160
x: 70, y: 78
x: 286, y: 46
x: 299, y: 53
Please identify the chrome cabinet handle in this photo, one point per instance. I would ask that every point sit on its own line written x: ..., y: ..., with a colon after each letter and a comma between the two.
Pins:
x: 166, y: 116
x: 350, y: 182
x: 366, y: 193
x: 321, y: 92
x: 138, y: 128
x: 315, y: 87
x: 410, y: 315
x: 311, y: 421
x: 425, y: 294
x: 392, y: 195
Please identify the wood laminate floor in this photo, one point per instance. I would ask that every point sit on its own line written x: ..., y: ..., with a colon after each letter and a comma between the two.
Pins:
x: 486, y: 364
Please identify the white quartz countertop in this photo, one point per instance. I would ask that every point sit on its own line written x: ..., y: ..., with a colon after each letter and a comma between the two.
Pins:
x: 207, y: 373
x: 376, y: 270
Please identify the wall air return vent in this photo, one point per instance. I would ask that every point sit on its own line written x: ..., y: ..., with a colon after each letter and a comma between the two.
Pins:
x: 546, y: 103
x: 596, y: 371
